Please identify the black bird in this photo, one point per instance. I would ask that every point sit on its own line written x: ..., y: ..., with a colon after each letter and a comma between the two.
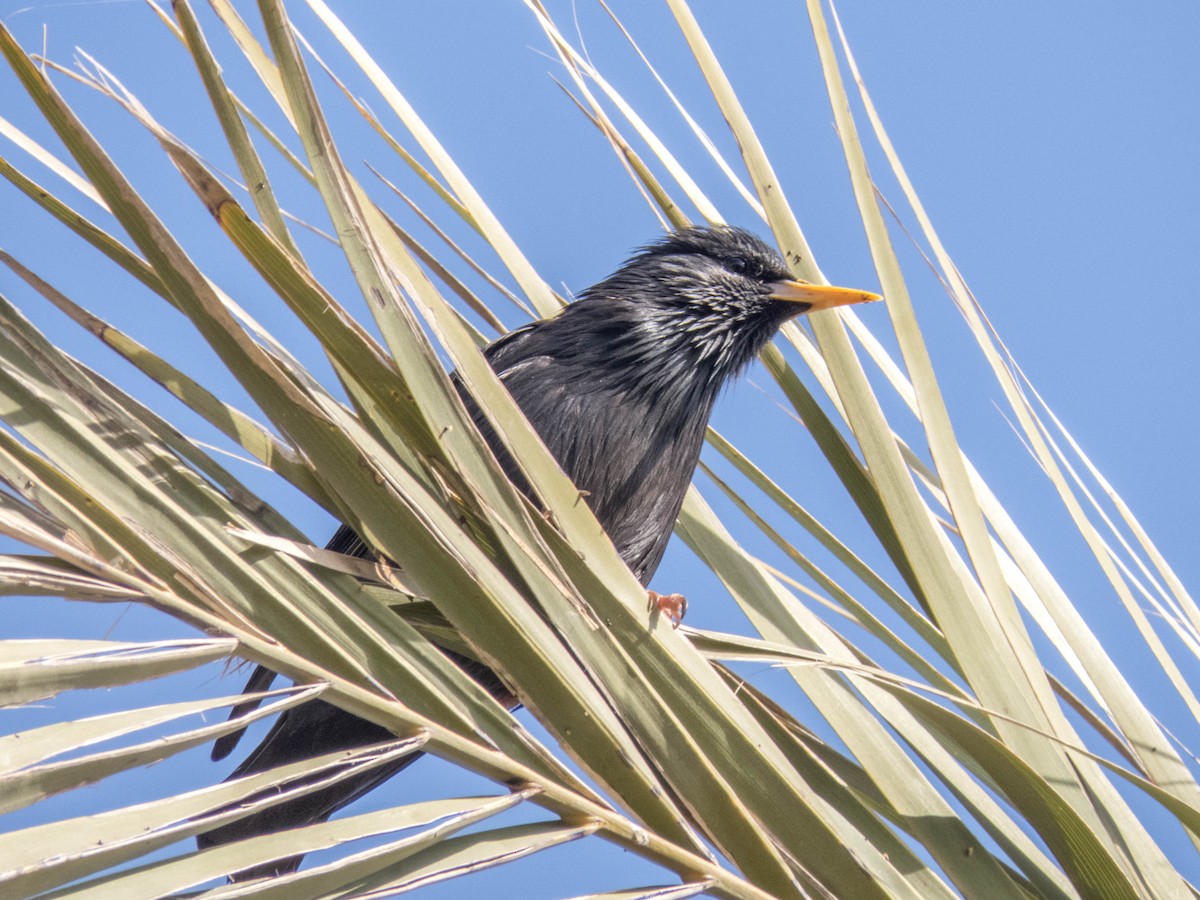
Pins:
x: 620, y: 385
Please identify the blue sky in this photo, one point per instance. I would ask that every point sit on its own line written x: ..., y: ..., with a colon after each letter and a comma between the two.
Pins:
x: 1053, y: 145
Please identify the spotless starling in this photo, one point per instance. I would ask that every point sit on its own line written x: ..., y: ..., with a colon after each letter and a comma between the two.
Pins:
x: 619, y: 385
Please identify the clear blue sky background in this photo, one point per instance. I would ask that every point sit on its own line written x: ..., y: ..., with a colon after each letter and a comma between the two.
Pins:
x: 1054, y: 146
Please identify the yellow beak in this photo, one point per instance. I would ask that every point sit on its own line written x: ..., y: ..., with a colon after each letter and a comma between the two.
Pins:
x: 819, y: 296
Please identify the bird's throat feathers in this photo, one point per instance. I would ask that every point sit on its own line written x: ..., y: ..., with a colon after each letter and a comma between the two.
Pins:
x: 679, y: 352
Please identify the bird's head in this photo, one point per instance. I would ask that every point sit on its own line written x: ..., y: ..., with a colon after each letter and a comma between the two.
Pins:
x: 708, y: 299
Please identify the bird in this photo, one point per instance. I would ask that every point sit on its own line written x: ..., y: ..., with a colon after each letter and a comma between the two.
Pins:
x: 619, y: 384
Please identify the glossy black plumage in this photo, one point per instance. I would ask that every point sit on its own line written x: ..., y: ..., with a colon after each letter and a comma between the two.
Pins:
x: 620, y: 385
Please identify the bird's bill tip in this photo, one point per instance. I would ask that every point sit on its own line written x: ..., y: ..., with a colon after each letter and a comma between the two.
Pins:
x: 819, y: 296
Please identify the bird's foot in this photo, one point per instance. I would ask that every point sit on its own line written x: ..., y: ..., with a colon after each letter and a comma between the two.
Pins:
x: 673, y: 606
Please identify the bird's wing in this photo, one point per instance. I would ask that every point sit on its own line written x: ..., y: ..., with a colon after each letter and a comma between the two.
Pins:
x: 259, y: 680
x: 345, y: 540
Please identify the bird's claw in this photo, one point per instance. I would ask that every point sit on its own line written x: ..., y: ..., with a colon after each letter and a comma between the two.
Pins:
x: 673, y: 606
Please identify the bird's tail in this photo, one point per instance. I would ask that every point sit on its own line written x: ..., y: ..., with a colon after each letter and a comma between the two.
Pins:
x: 312, y: 729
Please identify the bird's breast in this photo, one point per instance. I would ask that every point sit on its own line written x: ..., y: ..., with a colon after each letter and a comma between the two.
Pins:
x: 630, y: 448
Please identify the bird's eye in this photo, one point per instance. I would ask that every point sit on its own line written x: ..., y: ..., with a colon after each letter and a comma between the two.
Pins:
x: 738, y: 265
